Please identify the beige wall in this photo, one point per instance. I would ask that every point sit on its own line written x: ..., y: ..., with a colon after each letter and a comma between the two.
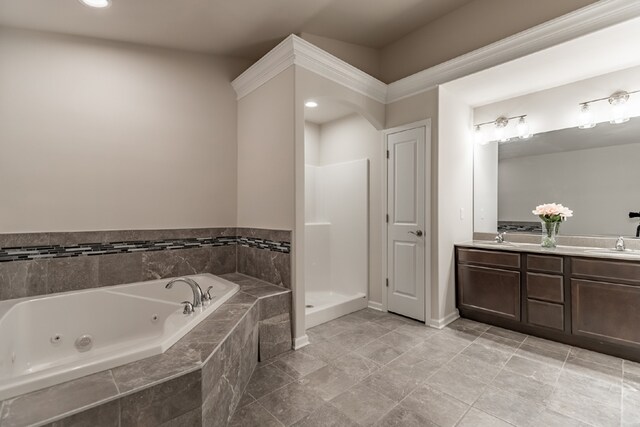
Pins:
x: 354, y: 138
x: 364, y: 58
x: 455, y: 196
x: 266, y: 155
x: 98, y: 135
x: 470, y: 27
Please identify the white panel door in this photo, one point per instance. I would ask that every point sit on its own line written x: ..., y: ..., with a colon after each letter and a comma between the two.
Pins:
x: 406, y: 223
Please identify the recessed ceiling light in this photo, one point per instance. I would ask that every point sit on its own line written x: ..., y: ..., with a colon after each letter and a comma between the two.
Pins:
x: 311, y: 104
x: 96, y: 3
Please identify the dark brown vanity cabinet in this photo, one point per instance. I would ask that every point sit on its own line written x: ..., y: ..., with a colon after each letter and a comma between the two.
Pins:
x: 489, y: 282
x: 605, y: 297
x: 544, y: 285
x: 587, y: 302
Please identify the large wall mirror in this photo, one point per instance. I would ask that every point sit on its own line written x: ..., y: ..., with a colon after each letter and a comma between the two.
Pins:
x: 595, y: 172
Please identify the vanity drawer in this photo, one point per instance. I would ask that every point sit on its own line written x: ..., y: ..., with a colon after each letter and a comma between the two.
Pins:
x: 606, y: 270
x: 545, y: 314
x: 544, y: 263
x: 545, y: 287
x: 498, y: 259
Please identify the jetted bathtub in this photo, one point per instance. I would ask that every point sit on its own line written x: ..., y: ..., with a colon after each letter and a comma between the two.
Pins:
x: 48, y: 340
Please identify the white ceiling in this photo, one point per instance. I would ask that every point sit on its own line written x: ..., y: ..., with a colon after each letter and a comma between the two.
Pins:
x: 573, y: 139
x: 247, y: 28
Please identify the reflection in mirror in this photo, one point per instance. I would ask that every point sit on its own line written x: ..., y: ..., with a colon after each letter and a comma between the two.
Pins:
x: 596, y: 172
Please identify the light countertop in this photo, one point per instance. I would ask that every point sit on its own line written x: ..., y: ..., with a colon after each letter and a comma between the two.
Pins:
x: 591, y: 252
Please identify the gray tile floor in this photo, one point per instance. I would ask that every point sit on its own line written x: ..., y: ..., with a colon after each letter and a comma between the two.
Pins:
x: 373, y: 368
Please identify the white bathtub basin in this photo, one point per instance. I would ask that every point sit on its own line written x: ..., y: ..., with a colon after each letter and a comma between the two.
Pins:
x: 48, y: 340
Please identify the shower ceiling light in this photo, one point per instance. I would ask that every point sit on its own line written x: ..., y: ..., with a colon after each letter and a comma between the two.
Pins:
x: 99, y: 4
x: 311, y: 104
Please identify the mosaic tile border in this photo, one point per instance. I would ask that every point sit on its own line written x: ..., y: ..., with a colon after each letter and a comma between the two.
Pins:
x: 25, y: 253
x: 519, y: 227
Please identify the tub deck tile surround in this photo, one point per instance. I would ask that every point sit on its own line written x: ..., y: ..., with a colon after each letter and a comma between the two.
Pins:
x: 83, y: 260
x: 198, y: 381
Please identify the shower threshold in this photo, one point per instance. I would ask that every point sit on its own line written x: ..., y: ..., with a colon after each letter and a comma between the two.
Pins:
x: 326, y: 306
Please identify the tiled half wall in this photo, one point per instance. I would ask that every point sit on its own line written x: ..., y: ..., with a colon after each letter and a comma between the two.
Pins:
x: 43, y: 263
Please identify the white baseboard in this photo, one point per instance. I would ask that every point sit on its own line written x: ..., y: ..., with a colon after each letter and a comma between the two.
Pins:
x: 441, y: 323
x: 376, y: 305
x: 300, y: 342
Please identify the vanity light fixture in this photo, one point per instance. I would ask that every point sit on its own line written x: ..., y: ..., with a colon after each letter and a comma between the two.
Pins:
x: 618, y: 103
x: 586, y: 117
x: 98, y: 4
x: 523, y: 128
x: 478, y: 136
x: 619, y: 114
x: 311, y: 104
x: 500, y: 129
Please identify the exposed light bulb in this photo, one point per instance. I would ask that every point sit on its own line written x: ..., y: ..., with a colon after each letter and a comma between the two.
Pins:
x: 311, y: 104
x: 618, y: 103
x: 500, y: 130
x: 96, y: 3
x: 479, y: 137
x: 586, y: 117
x: 523, y: 129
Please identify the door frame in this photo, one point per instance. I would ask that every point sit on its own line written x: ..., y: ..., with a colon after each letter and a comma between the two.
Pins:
x: 427, y: 214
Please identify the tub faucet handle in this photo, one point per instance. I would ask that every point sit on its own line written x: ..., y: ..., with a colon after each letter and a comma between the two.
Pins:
x: 207, y: 295
x: 188, y: 307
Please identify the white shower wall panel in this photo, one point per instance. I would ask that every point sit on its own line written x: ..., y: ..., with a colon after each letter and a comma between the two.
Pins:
x: 317, y: 270
x: 345, y: 188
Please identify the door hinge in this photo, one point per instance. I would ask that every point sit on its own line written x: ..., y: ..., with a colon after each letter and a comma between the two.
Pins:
x: 387, y: 218
x: 387, y: 154
x: 387, y: 283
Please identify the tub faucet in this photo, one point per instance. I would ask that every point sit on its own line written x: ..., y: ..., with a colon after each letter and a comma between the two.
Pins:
x: 620, y: 244
x: 195, y: 288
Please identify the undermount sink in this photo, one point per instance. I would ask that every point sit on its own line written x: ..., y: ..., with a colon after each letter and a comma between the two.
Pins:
x: 613, y: 251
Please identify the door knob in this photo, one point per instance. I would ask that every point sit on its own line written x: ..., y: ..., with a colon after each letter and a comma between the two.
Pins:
x: 417, y: 233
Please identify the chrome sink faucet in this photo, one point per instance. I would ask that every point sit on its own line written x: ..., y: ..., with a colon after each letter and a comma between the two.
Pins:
x: 620, y: 244
x: 500, y: 237
x: 198, y: 295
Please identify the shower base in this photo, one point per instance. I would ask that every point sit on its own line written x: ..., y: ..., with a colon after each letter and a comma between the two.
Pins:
x: 322, y: 307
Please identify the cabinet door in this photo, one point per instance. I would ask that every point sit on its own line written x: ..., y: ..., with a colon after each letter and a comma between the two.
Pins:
x: 606, y: 311
x: 489, y: 290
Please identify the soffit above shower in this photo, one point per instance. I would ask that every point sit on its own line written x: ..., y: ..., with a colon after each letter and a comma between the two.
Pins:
x: 247, y: 28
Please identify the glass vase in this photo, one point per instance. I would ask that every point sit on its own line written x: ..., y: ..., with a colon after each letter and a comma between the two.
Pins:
x: 549, y: 233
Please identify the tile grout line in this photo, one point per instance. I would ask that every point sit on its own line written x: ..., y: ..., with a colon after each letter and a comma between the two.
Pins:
x: 424, y: 382
x: 361, y: 381
x: 268, y: 412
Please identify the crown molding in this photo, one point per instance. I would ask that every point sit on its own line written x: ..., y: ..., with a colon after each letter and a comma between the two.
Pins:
x: 583, y: 21
x: 294, y: 50
x: 273, y: 63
